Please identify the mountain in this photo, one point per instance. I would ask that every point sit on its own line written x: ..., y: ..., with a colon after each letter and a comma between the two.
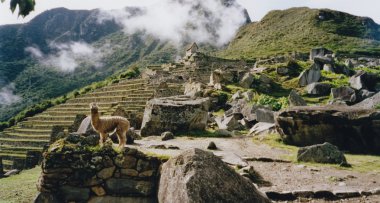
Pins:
x: 50, y: 33
x: 61, y: 50
x: 300, y: 29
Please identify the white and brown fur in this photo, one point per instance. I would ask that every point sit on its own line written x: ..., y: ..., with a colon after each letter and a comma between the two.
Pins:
x: 106, y: 125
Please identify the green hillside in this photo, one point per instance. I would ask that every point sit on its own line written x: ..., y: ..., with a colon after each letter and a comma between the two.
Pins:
x: 300, y: 29
x: 36, y: 82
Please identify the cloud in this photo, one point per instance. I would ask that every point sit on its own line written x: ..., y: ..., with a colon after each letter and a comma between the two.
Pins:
x: 7, y: 96
x: 67, y: 56
x: 203, y: 21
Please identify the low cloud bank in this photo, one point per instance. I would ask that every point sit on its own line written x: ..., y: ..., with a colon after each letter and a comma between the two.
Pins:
x: 67, y: 56
x: 182, y: 21
x: 7, y: 96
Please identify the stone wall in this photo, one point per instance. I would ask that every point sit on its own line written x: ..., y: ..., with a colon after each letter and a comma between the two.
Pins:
x: 75, y: 172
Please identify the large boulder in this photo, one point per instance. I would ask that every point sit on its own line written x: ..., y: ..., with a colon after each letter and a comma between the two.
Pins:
x: 179, y: 113
x: 246, y: 81
x: 327, y: 59
x: 321, y: 153
x: 219, y: 77
x: 352, y: 129
x: 199, y: 176
x: 320, y: 51
x: 329, y: 68
x: 364, y: 94
x: 369, y: 103
x: 194, y: 89
x: 313, y: 74
x: 230, y: 122
x: 317, y: 88
x: 344, y: 93
x: 85, y: 127
x: 295, y: 99
x: 265, y: 115
x: 262, y: 128
x: 363, y: 80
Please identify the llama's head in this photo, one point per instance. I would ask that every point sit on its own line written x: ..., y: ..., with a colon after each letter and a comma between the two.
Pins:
x: 94, y: 108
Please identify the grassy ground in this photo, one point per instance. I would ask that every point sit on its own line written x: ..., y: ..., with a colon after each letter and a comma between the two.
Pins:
x: 20, y: 188
x: 360, y: 163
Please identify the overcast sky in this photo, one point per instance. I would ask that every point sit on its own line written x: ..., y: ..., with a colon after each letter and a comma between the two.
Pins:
x: 256, y: 8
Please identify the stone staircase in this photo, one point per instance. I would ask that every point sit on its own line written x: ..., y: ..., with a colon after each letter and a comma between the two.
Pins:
x: 29, y: 137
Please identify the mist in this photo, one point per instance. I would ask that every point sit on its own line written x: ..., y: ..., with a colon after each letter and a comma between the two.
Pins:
x: 7, y: 96
x: 183, y: 21
x: 67, y: 56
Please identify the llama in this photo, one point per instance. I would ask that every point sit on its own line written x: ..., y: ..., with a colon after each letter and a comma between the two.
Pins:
x: 106, y: 125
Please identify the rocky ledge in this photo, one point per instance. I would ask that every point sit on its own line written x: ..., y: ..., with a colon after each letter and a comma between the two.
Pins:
x: 355, y: 130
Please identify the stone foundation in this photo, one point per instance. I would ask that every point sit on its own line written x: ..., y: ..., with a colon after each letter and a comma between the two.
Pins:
x: 74, y: 172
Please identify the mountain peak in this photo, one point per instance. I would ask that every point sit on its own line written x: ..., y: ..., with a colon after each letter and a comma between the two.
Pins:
x: 300, y: 29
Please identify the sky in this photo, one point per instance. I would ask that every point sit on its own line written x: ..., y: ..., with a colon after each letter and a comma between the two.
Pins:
x: 256, y: 8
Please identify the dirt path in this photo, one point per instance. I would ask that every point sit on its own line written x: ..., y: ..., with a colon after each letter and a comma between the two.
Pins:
x: 282, y: 176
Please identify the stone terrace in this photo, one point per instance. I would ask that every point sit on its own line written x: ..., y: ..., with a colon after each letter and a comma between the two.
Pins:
x: 19, y: 142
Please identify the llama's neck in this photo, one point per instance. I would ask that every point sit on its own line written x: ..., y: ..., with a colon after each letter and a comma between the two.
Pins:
x: 95, y: 118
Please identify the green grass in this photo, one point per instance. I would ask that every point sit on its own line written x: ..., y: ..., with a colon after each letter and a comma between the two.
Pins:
x: 360, y: 163
x: 218, y: 113
x: 316, y: 100
x: 233, y: 88
x: 20, y: 188
x: 373, y: 70
x: 336, y: 80
x: 162, y: 157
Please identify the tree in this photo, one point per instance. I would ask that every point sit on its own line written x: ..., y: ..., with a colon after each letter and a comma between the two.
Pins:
x: 24, y: 6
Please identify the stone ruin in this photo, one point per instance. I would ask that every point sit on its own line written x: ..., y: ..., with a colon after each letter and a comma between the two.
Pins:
x: 74, y: 171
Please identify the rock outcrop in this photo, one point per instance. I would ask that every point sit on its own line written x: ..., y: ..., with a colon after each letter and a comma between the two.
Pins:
x: 264, y: 115
x: 167, y: 136
x: 74, y: 171
x: 199, y: 176
x: 345, y: 94
x: 194, y: 89
x: 319, y: 52
x: 369, y: 103
x: 295, y: 99
x: 262, y: 128
x: 313, y: 74
x: 351, y: 129
x: 246, y: 81
x: 179, y: 113
x: 319, y: 89
x: 322, y: 153
x: 363, y: 80
x: 230, y: 122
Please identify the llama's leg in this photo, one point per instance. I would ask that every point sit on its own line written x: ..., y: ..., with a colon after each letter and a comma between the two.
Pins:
x: 103, y: 138
x: 121, y: 134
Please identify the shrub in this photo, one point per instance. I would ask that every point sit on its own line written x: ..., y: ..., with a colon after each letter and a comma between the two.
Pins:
x: 275, y: 103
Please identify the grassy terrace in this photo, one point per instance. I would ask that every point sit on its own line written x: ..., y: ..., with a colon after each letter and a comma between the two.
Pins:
x: 20, y: 188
